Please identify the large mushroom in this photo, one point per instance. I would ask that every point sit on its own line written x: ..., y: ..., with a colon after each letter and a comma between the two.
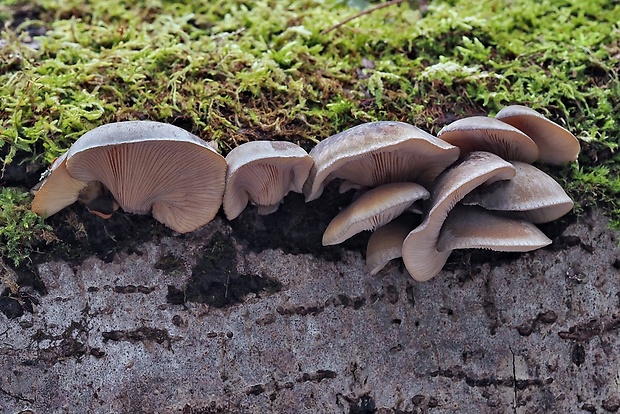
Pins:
x: 377, y: 153
x: 480, y: 133
x: 531, y: 195
x: 263, y: 172
x: 556, y: 145
x: 372, y: 210
x: 422, y: 258
x: 150, y: 166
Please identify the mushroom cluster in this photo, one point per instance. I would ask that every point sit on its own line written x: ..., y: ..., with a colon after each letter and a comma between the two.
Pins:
x: 423, y: 196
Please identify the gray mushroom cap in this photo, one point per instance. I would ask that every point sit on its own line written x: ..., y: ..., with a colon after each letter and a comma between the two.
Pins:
x: 373, y: 209
x: 556, y: 144
x: 377, y: 153
x: 151, y: 166
x: 531, y: 194
x: 263, y: 172
x: 420, y: 254
x: 471, y: 227
x: 481, y: 133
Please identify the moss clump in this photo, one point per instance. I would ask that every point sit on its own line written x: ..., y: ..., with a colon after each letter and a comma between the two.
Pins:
x: 242, y: 70
x: 20, y: 228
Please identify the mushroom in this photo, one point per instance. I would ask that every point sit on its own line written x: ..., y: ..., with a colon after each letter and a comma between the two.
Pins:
x: 386, y: 243
x: 151, y: 166
x: 531, y: 194
x: 263, y: 172
x: 556, y: 145
x: 480, y: 133
x: 422, y: 258
x: 471, y: 227
x: 372, y: 210
x: 377, y: 153
x: 57, y: 190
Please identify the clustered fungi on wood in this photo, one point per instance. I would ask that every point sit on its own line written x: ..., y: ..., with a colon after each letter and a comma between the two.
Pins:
x: 422, y: 196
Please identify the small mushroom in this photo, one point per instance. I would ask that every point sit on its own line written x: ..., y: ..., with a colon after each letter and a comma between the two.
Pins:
x: 386, y: 243
x: 556, y: 145
x: 480, y: 133
x: 471, y: 227
x: 422, y: 258
x: 58, y: 190
x: 377, y: 153
x: 531, y: 194
x: 151, y: 166
x: 263, y: 172
x: 372, y: 210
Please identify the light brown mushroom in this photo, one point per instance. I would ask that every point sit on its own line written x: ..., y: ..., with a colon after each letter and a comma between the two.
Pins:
x: 422, y: 258
x: 263, y: 172
x: 151, y: 166
x: 58, y: 190
x: 556, y: 144
x: 386, y: 243
x: 480, y: 133
x: 531, y: 195
x: 377, y: 153
x: 471, y: 227
x: 373, y: 209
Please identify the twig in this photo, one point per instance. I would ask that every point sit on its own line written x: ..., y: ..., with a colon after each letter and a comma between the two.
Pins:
x: 363, y: 12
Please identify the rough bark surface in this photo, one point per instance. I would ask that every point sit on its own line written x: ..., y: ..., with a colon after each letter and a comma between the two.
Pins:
x: 214, y: 322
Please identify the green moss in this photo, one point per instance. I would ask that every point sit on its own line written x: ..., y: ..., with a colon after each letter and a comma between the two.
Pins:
x: 20, y: 228
x: 243, y: 70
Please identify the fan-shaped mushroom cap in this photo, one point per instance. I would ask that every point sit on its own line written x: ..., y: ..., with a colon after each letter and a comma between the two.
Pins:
x: 151, y: 166
x: 377, y: 153
x: 372, y: 210
x: 386, y: 243
x: 263, y: 172
x: 532, y: 194
x: 556, y: 145
x: 470, y: 227
x: 420, y: 254
x: 57, y: 190
x: 480, y: 133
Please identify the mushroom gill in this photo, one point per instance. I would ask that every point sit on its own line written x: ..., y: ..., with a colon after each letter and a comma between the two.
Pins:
x: 263, y: 172
x: 156, y: 167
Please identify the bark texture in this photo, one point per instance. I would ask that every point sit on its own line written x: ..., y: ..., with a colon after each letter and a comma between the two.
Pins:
x: 213, y: 322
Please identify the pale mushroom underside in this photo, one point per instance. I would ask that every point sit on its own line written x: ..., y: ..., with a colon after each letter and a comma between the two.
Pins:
x: 372, y: 210
x: 182, y: 183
